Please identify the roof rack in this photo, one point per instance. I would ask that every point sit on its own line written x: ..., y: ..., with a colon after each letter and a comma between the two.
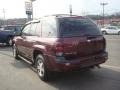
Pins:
x: 62, y: 15
x: 54, y: 15
x: 33, y: 21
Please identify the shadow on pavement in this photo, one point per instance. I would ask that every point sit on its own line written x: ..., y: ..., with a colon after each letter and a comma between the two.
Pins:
x: 6, y: 50
x: 21, y: 64
x: 94, y: 79
x: 102, y: 79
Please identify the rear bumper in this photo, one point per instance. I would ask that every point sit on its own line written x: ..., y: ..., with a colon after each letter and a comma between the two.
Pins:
x: 65, y: 65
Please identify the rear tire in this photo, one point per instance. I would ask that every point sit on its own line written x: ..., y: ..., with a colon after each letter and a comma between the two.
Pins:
x: 42, y: 70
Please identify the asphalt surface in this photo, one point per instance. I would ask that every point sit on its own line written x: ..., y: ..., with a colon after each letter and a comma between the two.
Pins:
x: 19, y: 75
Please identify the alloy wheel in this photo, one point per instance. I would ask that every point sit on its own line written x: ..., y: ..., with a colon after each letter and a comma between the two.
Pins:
x: 40, y: 68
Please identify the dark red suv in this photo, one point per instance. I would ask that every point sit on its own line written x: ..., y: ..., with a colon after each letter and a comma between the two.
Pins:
x: 61, y: 43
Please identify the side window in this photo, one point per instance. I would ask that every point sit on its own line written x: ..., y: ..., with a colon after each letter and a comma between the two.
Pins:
x: 38, y: 29
x: 17, y: 29
x: 109, y: 28
x: 33, y: 29
x: 106, y: 28
x: 26, y: 30
x: 112, y: 28
x: 49, y: 28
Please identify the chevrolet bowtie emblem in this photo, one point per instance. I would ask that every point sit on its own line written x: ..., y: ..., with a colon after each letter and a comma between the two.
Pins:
x: 88, y: 40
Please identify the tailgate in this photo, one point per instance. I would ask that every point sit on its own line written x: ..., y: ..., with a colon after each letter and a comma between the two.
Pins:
x: 77, y: 47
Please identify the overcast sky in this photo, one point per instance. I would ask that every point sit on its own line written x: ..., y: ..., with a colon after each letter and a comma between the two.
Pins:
x: 16, y: 8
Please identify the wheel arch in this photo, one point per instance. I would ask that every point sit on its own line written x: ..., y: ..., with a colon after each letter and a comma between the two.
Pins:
x: 104, y: 31
x: 36, y: 52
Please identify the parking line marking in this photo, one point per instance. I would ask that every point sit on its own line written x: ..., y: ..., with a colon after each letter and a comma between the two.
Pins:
x: 109, y: 66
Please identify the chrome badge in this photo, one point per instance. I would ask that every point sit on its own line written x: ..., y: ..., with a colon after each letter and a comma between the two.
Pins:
x: 88, y: 40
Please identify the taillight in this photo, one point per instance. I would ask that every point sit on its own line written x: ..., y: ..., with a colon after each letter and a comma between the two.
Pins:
x: 59, y: 49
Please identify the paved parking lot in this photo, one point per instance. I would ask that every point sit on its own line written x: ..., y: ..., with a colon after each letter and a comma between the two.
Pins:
x: 18, y: 75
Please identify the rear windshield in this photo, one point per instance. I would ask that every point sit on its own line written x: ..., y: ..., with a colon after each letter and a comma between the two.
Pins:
x: 78, y: 27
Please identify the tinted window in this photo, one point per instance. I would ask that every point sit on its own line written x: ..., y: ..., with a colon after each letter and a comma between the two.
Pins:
x: 112, y: 28
x: 17, y: 28
x: 78, y: 27
x: 49, y: 28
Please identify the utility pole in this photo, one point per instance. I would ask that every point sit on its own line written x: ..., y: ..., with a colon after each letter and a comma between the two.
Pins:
x: 103, y: 6
x: 4, y: 13
x: 70, y: 8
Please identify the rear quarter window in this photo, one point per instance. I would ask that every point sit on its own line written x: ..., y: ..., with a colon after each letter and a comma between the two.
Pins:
x: 49, y: 28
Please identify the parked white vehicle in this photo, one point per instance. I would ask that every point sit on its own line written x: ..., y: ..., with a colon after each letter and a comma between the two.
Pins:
x: 110, y: 30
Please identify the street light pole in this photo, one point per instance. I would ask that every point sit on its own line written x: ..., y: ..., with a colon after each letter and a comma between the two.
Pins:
x: 32, y: 7
x: 103, y: 6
